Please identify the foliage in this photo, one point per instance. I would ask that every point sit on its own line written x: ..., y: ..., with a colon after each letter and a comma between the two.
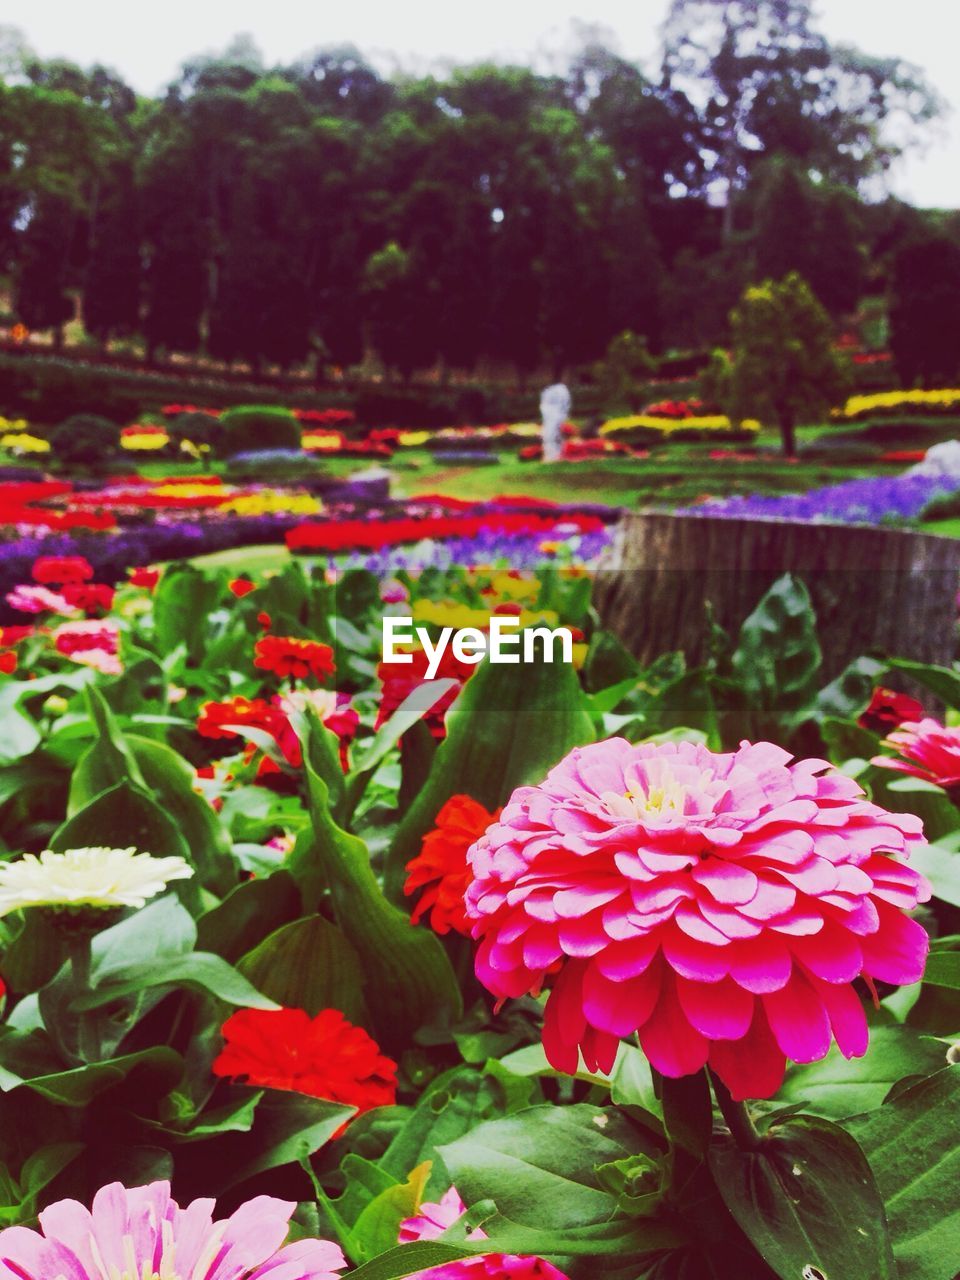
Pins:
x: 925, y: 311
x: 85, y: 439
x: 784, y: 368
x: 248, y: 427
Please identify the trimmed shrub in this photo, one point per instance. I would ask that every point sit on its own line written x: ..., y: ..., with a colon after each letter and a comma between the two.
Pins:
x: 85, y: 439
x: 250, y: 428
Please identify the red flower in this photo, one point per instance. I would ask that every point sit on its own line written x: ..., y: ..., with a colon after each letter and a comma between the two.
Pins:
x: 291, y: 656
x: 8, y: 662
x: 399, y: 680
x: 242, y: 587
x: 14, y: 635
x: 144, y: 576
x: 91, y: 597
x: 61, y: 569
x: 888, y: 709
x: 251, y: 712
x: 264, y: 620
x: 441, y: 865
x: 323, y: 1057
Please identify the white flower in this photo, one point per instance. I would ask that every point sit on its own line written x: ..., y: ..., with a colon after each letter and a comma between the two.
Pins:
x: 98, y: 877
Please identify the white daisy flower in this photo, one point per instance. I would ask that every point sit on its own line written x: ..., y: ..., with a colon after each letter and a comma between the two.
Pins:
x: 99, y: 877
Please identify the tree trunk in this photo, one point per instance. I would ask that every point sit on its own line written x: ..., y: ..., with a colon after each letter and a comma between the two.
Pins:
x: 787, y: 435
x: 880, y: 590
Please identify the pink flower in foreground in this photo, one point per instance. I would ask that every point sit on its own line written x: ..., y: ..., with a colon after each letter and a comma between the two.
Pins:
x: 434, y: 1219
x: 928, y: 750
x: 93, y: 644
x: 141, y: 1232
x: 30, y: 599
x: 719, y: 905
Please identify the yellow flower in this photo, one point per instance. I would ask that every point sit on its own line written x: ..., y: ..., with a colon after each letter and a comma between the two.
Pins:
x: 447, y: 613
x: 942, y: 399
x: 92, y: 877
x: 144, y: 442
x: 23, y: 442
x: 269, y: 501
x: 413, y: 439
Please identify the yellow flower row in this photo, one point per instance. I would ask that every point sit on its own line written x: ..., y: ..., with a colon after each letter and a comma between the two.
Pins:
x: 714, y: 423
x: 13, y: 424
x: 270, y: 501
x: 945, y: 398
x: 146, y: 442
x: 23, y: 442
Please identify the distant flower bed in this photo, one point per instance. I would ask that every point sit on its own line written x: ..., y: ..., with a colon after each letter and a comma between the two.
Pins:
x: 642, y: 428
x: 944, y: 401
x: 873, y: 500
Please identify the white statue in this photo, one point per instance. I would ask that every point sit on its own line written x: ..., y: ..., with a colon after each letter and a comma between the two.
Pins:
x: 554, y: 410
x: 941, y: 460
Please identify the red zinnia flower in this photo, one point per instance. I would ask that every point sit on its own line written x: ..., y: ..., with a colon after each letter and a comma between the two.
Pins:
x: 61, y: 569
x: 888, y: 709
x: 242, y: 587
x: 442, y: 865
x: 254, y: 713
x: 323, y: 1057
x: 400, y: 679
x: 144, y: 576
x: 291, y: 656
x: 91, y: 597
x: 8, y: 662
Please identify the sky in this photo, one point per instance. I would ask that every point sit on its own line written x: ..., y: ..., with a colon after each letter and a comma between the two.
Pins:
x: 147, y: 42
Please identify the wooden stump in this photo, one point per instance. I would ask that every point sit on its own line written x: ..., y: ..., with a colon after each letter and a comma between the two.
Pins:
x: 881, y: 590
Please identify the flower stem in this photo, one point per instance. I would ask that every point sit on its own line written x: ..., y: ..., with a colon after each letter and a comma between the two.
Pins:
x: 79, y: 948
x: 736, y: 1116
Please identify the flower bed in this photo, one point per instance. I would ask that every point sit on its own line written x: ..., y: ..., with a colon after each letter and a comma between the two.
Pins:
x: 872, y: 500
x: 583, y: 951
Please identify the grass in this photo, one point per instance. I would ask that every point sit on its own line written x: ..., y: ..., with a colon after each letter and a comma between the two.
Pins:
x: 246, y: 561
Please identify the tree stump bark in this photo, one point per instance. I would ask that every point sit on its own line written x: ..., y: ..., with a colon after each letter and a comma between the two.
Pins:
x: 874, y: 590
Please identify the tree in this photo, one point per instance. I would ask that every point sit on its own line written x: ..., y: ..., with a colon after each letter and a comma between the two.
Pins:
x: 784, y: 368
x: 112, y: 282
x: 925, y: 311
x: 803, y: 227
x: 41, y: 300
x: 397, y: 312
x: 771, y: 83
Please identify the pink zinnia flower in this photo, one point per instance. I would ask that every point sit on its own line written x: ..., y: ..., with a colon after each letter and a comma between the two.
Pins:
x: 434, y: 1219
x: 93, y: 644
x: 928, y: 750
x: 719, y: 905
x: 29, y: 599
x: 140, y: 1231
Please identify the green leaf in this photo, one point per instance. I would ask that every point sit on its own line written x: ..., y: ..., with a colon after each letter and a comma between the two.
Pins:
x: 539, y: 1166
x: 509, y: 725
x: 777, y: 658
x: 287, y: 1129
x: 409, y: 979
x: 182, y: 604
x: 943, y: 970
x: 377, y: 1229
x: 410, y: 1259
x: 808, y: 1202
x: 199, y: 969
x: 410, y: 712
x: 106, y: 762
x: 942, y: 681
x: 911, y: 1142
x: 248, y: 914
x: 124, y: 815
x: 846, y: 697
x: 78, y: 1086
x: 837, y: 1087
x: 309, y: 965
x: 941, y: 866
x: 19, y: 734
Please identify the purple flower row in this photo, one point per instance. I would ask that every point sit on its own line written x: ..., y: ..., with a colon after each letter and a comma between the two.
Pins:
x: 872, y: 500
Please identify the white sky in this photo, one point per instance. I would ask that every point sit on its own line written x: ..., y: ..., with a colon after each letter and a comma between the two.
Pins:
x: 147, y: 42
